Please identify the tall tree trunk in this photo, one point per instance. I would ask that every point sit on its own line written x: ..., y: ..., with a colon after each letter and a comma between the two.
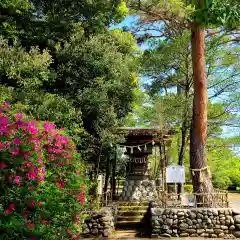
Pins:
x: 198, y: 162
x: 106, y: 179
x: 113, y: 179
x: 183, y: 147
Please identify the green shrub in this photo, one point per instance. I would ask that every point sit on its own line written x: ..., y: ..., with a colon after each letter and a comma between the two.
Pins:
x: 41, y: 182
x: 188, y: 188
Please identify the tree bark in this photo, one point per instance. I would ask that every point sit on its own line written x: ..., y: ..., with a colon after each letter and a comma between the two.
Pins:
x: 113, y: 179
x: 200, y: 176
x: 182, y: 148
x: 106, y: 179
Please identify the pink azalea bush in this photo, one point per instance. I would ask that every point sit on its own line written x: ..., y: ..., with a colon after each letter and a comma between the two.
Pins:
x: 42, y: 188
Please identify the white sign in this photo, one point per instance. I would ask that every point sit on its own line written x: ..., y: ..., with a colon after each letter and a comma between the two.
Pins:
x: 188, y: 201
x: 175, y: 174
x: 100, y: 184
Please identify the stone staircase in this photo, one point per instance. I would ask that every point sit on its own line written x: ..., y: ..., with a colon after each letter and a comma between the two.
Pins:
x: 132, y: 215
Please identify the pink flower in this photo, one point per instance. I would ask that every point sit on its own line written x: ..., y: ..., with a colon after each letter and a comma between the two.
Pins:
x: 3, y: 121
x: 30, y: 188
x: 19, y: 116
x: 14, y: 151
x: 32, y: 203
x: 2, y: 165
x: 49, y: 126
x: 41, y: 178
x: 31, y: 225
x: 11, y: 206
x: 58, y: 144
x: 32, y: 175
x: 45, y: 222
x: 36, y: 141
x: 17, y: 180
x: 17, y: 140
x: 8, y: 211
x: 43, y: 171
x: 36, y: 148
x: 60, y: 184
x: 77, y: 219
x: 2, y: 146
x: 7, y: 145
x: 32, y: 128
x: 21, y: 124
x: 29, y: 164
x: 6, y: 105
x: 81, y: 197
x: 39, y: 160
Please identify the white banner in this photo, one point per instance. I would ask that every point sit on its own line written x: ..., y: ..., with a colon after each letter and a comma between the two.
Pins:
x: 175, y: 174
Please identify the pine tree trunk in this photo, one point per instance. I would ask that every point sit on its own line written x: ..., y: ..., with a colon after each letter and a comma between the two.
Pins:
x: 182, y: 149
x: 113, y: 178
x: 201, y: 178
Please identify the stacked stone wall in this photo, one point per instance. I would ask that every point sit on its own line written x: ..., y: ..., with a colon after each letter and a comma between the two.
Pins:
x: 102, y: 222
x: 214, y: 223
x: 139, y: 190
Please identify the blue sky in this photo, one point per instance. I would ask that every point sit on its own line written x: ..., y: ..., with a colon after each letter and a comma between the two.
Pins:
x: 130, y: 21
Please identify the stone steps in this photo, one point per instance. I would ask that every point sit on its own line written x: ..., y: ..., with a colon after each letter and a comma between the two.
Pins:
x: 133, y: 203
x: 138, y: 218
x: 132, y: 212
x: 131, y: 215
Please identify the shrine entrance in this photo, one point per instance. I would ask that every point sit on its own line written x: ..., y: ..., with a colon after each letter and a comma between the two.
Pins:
x: 139, y: 186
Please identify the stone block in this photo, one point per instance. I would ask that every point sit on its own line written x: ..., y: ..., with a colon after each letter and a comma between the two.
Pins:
x: 156, y: 211
x: 209, y: 230
x: 200, y: 231
x: 215, y: 212
x: 232, y: 227
x: 194, y: 235
x: 218, y: 231
x: 189, y: 222
x: 221, y: 235
x: 166, y: 235
x: 204, y: 235
x: 191, y: 231
x: 183, y: 226
x: 169, y: 221
x: 154, y: 235
x: 237, y: 234
x: 237, y: 226
x: 236, y: 219
x: 224, y: 227
x: 184, y: 235
x: 180, y: 214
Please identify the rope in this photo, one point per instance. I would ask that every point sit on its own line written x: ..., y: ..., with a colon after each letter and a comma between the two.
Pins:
x: 198, y: 169
x: 135, y: 146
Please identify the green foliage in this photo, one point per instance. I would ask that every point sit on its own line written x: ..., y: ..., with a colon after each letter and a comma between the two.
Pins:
x: 66, y: 66
x: 41, y: 185
x: 23, y: 69
x: 188, y: 188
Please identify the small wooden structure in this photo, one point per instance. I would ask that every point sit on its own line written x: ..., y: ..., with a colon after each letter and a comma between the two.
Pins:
x: 139, y: 144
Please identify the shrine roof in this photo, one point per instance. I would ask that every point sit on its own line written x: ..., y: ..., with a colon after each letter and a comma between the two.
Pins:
x: 145, y: 131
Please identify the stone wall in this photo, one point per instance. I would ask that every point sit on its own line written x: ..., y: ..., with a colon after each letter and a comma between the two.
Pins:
x: 102, y: 222
x: 139, y: 190
x: 222, y: 223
